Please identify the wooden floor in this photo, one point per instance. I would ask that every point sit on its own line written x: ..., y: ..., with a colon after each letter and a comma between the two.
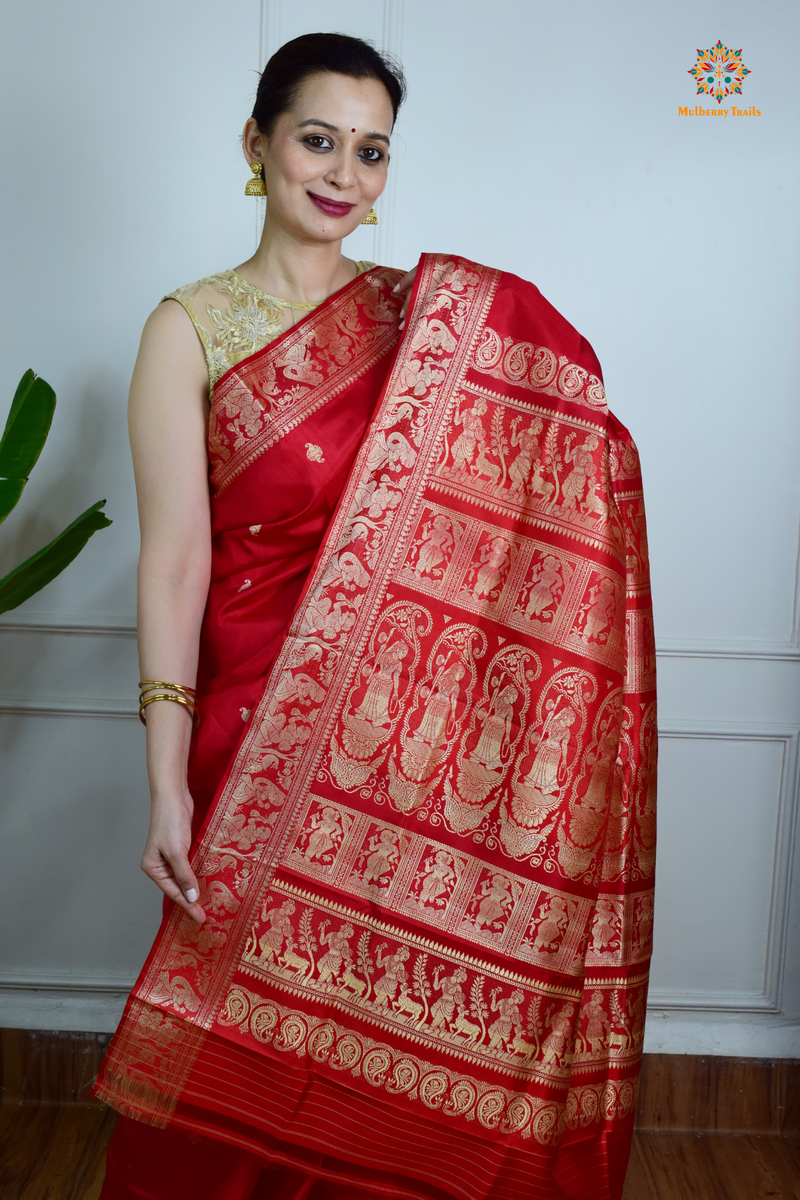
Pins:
x: 701, y: 1166
x: 53, y: 1151
x: 691, y: 1142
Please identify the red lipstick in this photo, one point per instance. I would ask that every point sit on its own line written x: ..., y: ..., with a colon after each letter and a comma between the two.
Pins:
x: 333, y: 208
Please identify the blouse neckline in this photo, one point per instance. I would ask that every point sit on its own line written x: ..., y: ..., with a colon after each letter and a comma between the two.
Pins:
x: 293, y: 304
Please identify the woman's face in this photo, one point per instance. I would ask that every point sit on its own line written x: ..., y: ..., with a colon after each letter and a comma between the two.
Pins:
x: 325, y: 163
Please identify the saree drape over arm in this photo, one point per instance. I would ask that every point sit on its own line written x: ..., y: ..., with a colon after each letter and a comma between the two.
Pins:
x: 428, y: 863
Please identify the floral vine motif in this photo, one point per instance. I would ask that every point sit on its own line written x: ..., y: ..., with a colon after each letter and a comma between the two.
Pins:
x: 434, y: 718
x: 496, y: 725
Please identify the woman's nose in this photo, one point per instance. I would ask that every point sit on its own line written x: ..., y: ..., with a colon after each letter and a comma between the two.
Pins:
x: 341, y: 173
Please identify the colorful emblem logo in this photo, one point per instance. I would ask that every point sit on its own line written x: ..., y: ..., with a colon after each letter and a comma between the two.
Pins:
x: 719, y: 72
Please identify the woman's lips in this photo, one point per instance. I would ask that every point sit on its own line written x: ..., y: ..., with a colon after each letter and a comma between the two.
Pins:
x: 333, y: 208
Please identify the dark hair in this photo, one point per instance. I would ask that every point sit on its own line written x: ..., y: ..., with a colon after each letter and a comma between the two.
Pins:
x: 317, y: 54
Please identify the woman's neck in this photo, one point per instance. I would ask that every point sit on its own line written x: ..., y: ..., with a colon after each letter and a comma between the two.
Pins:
x: 306, y: 272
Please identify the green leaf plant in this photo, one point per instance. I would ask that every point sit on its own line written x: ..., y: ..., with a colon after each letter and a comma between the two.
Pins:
x: 24, y: 436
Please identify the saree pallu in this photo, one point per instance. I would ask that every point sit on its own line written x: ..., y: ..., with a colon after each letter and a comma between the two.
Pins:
x: 428, y: 867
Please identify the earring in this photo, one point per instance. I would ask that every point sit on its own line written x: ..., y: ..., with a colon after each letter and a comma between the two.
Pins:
x: 371, y: 218
x: 256, y: 186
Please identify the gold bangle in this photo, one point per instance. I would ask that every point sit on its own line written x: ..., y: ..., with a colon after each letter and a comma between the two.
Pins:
x: 147, y: 685
x: 175, y: 699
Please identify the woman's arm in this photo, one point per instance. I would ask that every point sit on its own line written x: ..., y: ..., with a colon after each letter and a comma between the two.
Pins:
x: 168, y: 418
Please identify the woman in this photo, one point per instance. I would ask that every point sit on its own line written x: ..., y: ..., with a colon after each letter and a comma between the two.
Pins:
x: 260, y: 1053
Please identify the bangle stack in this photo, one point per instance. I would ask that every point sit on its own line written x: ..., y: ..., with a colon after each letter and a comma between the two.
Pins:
x: 153, y: 689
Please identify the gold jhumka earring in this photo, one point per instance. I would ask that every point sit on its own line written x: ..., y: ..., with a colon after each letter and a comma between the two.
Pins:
x: 371, y: 218
x: 256, y: 186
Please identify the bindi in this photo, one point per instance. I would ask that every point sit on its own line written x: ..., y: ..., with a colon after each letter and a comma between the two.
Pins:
x: 352, y: 130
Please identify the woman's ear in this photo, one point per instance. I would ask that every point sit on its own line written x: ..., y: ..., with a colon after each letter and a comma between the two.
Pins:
x: 252, y: 141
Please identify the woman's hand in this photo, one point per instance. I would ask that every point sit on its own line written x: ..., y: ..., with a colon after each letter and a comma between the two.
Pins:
x: 166, y: 854
x: 402, y: 289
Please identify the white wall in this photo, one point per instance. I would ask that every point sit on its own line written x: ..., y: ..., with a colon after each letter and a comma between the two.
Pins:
x: 544, y: 139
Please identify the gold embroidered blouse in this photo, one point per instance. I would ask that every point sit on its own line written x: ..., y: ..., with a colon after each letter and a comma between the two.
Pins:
x: 239, y: 318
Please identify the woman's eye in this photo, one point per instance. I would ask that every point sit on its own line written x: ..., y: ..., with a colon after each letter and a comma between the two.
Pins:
x: 317, y: 142
x: 371, y: 154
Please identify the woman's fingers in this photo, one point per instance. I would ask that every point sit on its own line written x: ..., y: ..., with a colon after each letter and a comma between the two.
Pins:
x: 170, y: 870
x: 402, y: 289
x: 406, y: 283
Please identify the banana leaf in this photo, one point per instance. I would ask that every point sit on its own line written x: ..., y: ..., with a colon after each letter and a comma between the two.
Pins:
x: 24, y: 436
x: 32, y: 575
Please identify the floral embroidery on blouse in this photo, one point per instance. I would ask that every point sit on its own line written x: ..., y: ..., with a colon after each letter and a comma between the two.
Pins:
x: 239, y: 319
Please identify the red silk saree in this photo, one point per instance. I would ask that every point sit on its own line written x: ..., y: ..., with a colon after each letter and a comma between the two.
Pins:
x: 428, y: 721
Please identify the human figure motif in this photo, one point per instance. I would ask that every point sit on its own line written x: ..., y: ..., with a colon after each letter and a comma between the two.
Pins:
x: 552, y: 925
x: 285, y: 732
x: 495, y: 736
x: 588, y: 813
x: 417, y: 377
x: 597, y: 1022
x: 300, y: 688
x: 383, y: 854
x: 521, y: 469
x: 382, y: 497
x: 394, y: 975
x: 554, y: 1049
x: 380, y: 699
x: 644, y: 922
x: 452, y: 997
x: 473, y: 435
x: 271, y: 943
x: 327, y: 831
x: 494, y: 559
x: 339, y: 953
x: 329, y: 617
x: 605, y: 927
x: 439, y: 875
x: 497, y: 897
x: 582, y: 473
x: 441, y: 706
x: 436, y: 545
x: 547, y: 586
x: 599, y: 612
x: 508, y: 1022
x: 548, y: 771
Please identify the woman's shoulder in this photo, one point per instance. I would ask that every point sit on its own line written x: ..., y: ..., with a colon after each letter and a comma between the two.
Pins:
x: 212, y: 304
x: 220, y: 289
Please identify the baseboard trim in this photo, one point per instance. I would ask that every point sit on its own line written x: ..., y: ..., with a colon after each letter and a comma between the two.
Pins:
x: 64, y: 1009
